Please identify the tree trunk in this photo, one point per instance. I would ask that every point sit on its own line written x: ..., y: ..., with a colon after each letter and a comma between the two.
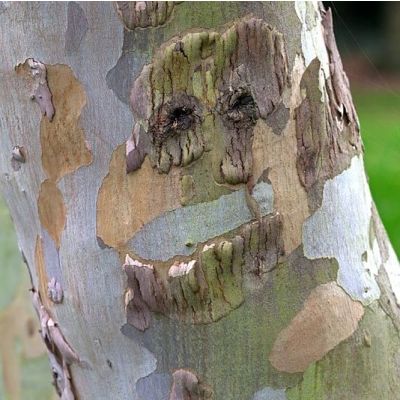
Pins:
x: 193, y: 208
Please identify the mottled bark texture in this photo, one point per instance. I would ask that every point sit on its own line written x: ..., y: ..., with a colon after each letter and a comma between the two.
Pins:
x: 190, y: 196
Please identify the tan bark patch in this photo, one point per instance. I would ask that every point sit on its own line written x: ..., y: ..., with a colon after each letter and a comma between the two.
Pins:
x: 328, y: 317
x: 128, y: 201
x: 277, y: 154
x: 52, y: 211
x: 63, y: 141
x: 41, y: 272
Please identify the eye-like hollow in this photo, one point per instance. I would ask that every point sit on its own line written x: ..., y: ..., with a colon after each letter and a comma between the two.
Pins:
x: 238, y: 108
x: 181, y: 118
x: 180, y: 114
x: 243, y: 108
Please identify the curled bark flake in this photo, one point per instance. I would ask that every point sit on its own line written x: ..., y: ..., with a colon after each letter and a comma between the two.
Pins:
x: 252, y: 84
x: 180, y: 269
x: 18, y: 157
x: 19, y: 154
x: 60, y: 353
x: 58, y: 339
x: 54, y: 291
x: 144, y: 14
x: 327, y: 127
x: 263, y: 246
x: 137, y: 147
x: 35, y: 73
x: 187, y: 386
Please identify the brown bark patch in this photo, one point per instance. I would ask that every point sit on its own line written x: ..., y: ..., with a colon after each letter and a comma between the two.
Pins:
x: 327, y: 136
x: 328, y: 317
x: 143, y: 14
x: 277, y: 153
x: 128, y: 201
x: 41, y: 271
x: 63, y: 140
x: 187, y: 386
x: 52, y: 211
x: 326, y: 122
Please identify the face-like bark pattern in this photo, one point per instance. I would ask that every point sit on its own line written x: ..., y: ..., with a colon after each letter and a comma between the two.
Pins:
x: 218, y: 114
x: 206, y: 92
x: 196, y: 107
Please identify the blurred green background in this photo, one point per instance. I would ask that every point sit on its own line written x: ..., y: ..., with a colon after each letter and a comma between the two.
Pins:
x: 379, y: 114
x: 368, y: 38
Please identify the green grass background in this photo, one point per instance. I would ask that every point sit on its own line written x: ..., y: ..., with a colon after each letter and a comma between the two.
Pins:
x: 379, y: 115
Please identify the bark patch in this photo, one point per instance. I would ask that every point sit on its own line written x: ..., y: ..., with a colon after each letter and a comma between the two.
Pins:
x: 340, y: 229
x: 198, y: 291
x: 328, y: 317
x: 41, y: 270
x: 35, y: 75
x: 209, y: 286
x: 187, y: 386
x: 276, y: 153
x: 198, y: 223
x: 61, y: 354
x: 123, y: 202
x: 18, y: 157
x: 326, y: 121
x: 144, y: 14
x: 64, y: 148
x: 77, y: 27
x: 52, y: 211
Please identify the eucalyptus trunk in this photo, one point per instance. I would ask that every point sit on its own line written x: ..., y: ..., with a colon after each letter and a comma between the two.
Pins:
x: 187, y: 186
